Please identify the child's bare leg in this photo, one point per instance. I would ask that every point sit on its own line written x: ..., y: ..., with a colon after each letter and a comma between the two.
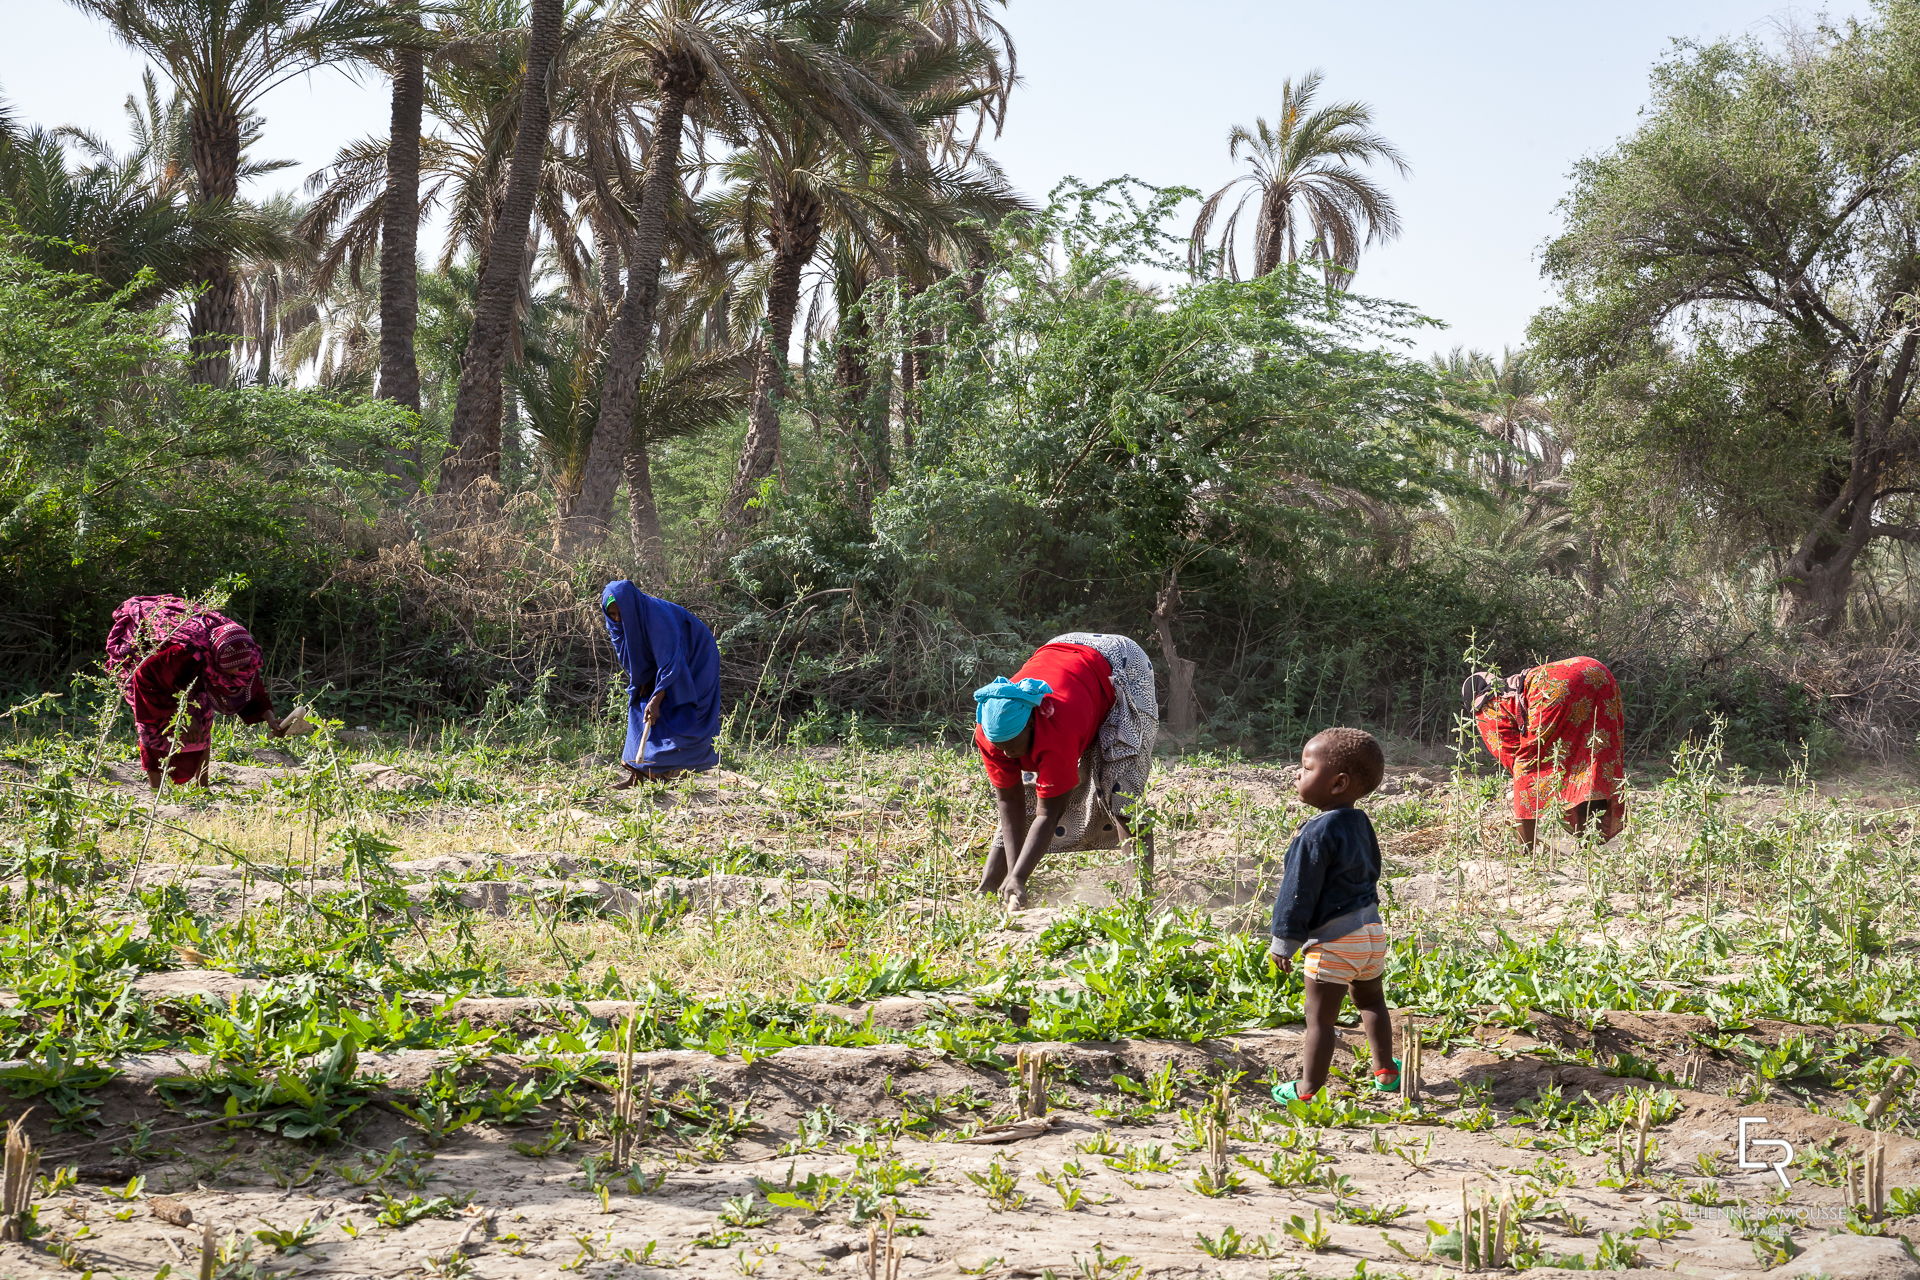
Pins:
x: 1323, y: 1008
x: 1370, y: 998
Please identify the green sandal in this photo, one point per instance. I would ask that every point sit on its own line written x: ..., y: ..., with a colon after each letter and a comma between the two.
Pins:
x: 1289, y: 1093
x: 1385, y: 1081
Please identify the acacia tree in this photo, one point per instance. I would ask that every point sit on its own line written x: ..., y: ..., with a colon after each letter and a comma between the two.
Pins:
x: 1303, y: 168
x: 223, y: 56
x: 1164, y: 444
x: 1736, y: 335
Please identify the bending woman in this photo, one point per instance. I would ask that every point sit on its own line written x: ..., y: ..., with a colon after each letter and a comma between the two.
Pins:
x: 161, y: 649
x: 673, y: 684
x: 1080, y: 718
x: 1560, y: 730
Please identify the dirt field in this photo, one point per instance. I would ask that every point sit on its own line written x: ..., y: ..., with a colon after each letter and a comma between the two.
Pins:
x: 366, y: 1011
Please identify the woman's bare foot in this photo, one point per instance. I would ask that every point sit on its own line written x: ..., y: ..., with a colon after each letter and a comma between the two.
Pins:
x: 631, y: 780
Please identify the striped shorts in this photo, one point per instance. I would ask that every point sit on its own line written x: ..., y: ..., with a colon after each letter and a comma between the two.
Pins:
x: 1358, y: 956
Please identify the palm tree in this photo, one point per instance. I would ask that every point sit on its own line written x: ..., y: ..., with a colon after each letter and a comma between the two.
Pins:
x: 119, y: 214
x: 1529, y: 521
x: 333, y: 335
x: 474, y: 433
x: 558, y: 384
x: 223, y: 57
x: 1304, y: 170
x: 473, y: 78
x: 277, y: 295
x: 747, y: 60
x: 795, y: 184
x: 400, y: 210
x: 1507, y: 398
x: 954, y: 224
x: 158, y: 149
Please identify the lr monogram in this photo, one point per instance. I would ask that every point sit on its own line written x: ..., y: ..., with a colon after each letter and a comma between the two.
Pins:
x: 1785, y: 1149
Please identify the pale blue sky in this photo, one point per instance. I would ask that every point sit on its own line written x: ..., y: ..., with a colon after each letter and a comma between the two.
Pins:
x: 1491, y: 102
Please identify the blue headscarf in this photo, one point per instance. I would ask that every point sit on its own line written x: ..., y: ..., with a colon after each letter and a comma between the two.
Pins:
x: 1004, y: 707
x: 666, y: 649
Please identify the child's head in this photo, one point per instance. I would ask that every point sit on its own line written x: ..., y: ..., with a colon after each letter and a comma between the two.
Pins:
x: 1339, y: 767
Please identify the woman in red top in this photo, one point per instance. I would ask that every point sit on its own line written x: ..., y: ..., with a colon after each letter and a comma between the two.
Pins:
x: 1560, y: 730
x: 1080, y: 718
x: 161, y: 648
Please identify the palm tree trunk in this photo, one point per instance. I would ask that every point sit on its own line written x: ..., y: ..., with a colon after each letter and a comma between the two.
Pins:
x: 263, y: 356
x: 643, y: 515
x: 474, y: 451
x: 214, y: 134
x: 614, y: 435
x: 399, y: 234
x: 794, y: 236
x: 859, y: 374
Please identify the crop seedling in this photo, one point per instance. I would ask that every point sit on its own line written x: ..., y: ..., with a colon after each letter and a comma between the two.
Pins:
x: 1288, y: 1169
x: 1147, y: 1159
x: 398, y: 1212
x: 816, y: 1193
x: 1102, y: 1143
x: 1313, y: 1235
x: 1770, y: 1233
x: 288, y: 1239
x: 1903, y: 1202
x: 132, y: 1191
x: 1662, y: 1223
x: 744, y: 1211
x: 1099, y: 1265
x: 1616, y: 1253
x: 1369, y: 1215
x: 1062, y: 1185
x: 1001, y: 1185
x: 1227, y: 1245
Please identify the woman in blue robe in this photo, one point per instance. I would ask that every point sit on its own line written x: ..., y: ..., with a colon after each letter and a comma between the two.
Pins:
x: 673, y: 684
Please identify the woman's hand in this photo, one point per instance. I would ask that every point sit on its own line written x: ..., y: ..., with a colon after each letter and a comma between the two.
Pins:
x: 1010, y: 805
x: 652, y: 714
x: 1039, y: 840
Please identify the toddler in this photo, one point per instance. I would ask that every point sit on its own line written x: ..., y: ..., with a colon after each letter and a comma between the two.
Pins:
x: 1328, y: 908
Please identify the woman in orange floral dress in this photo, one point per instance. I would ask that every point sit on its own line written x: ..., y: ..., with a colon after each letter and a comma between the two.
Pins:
x: 1559, y: 729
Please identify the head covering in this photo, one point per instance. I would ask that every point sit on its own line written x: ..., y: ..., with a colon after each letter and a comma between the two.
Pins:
x: 233, y: 662
x: 1004, y: 707
x: 1476, y: 689
x: 625, y: 608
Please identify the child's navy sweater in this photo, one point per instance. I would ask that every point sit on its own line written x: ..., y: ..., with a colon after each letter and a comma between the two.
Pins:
x: 1332, y: 881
